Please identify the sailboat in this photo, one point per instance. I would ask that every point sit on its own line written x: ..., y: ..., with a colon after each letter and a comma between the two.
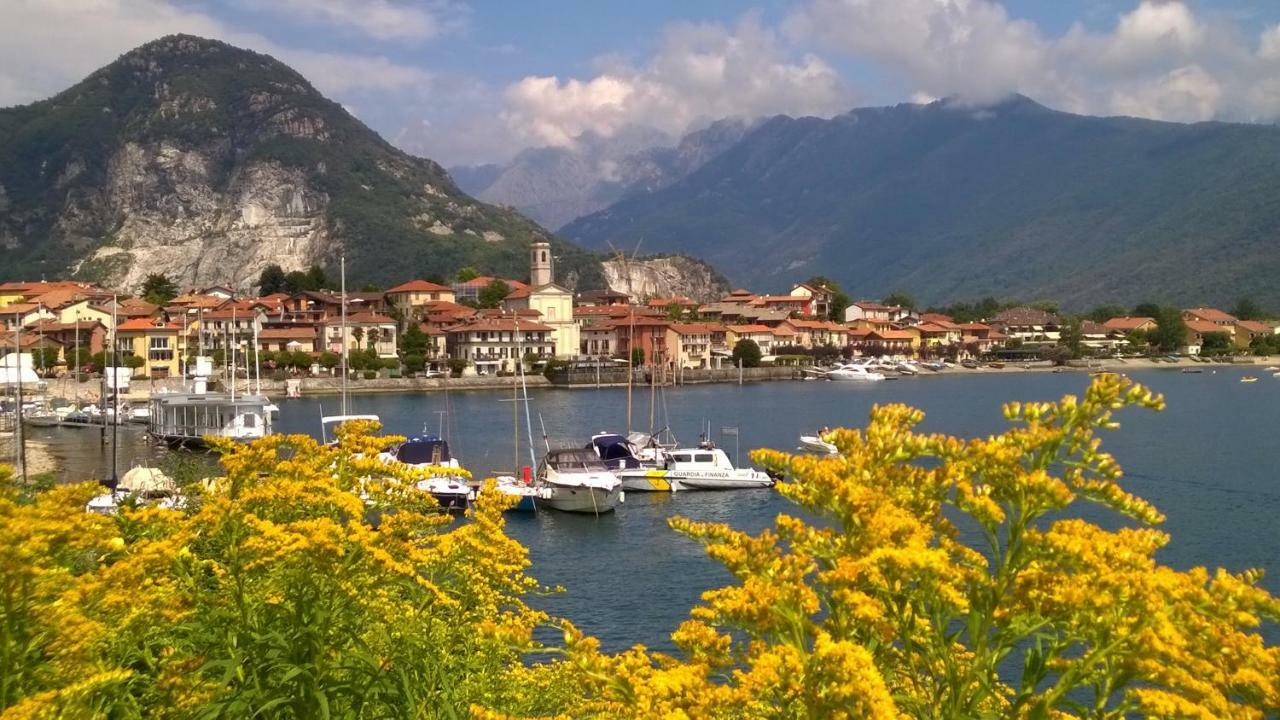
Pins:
x: 335, y: 420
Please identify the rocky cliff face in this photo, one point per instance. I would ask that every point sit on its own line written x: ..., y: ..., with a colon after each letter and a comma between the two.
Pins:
x: 174, y: 218
x: 206, y: 162
x: 665, y: 277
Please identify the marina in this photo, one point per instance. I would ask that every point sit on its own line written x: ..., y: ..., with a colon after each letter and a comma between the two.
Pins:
x: 1207, y: 458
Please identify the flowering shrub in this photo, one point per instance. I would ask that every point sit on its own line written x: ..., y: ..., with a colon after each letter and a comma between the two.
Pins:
x: 942, y: 578
x: 955, y: 579
x: 272, y: 595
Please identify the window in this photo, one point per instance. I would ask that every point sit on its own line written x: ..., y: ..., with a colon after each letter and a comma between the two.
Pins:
x: 704, y: 458
x: 680, y: 458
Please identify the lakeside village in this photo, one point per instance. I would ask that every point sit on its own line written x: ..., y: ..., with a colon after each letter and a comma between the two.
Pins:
x: 483, y: 326
x: 175, y: 349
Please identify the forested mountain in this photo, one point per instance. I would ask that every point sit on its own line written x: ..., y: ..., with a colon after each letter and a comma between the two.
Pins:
x: 951, y: 202
x: 555, y: 185
x: 197, y: 159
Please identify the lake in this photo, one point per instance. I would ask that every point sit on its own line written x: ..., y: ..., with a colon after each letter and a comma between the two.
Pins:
x: 1209, y: 462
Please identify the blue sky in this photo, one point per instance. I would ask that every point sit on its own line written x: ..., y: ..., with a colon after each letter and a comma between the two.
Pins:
x: 476, y: 80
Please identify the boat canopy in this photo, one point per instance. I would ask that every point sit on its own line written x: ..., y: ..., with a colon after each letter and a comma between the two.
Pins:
x: 616, y: 451
x: 576, y: 460
x: 425, y: 450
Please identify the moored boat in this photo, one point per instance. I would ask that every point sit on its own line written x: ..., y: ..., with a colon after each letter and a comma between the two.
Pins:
x: 577, y: 481
x: 856, y: 373
x: 187, y: 419
x: 427, y: 452
x: 815, y: 444
x: 707, y: 467
x: 623, y: 457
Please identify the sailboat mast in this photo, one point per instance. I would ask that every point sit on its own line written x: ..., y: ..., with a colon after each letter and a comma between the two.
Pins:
x: 115, y: 394
x: 524, y: 390
x: 19, y: 437
x: 343, y: 334
x: 235, y: 339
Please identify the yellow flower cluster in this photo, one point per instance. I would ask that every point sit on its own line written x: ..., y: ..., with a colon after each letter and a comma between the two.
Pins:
x: 925, y: 576
x: 307, y: 581
x: 953, y: 578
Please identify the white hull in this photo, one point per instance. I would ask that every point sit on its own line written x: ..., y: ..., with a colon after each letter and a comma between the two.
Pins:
x: 815, y: 444
x: 645, y: 480
x: 581, y: 499
x: 741, y: 480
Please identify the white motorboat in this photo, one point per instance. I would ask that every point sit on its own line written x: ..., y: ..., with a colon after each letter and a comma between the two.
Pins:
x: 906, y: 368
x: 856, y: 373
x: 639, y: 470
x: 702, y: 468
x: 429, y: 451
x: 578, y: 481
x: 148, y: 486
x: 815, y: 444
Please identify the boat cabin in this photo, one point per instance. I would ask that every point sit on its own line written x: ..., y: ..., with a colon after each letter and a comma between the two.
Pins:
x: 184, y: 418
x: 616, y: 451
x: 577, y: 460
x: 426, y: 450
x: 698, y: 459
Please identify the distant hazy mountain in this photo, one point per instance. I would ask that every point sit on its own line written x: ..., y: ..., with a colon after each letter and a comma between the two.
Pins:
x: 207, y: 162
x: 555, y: 185
x: 948, y: 202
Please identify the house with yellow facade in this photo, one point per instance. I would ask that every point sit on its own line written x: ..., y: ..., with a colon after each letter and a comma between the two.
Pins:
x: 160, y: 344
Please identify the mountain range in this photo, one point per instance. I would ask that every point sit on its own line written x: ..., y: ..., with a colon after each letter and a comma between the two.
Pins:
x: 207, y: 162
x: 949, y: 202
x: 555, y: 185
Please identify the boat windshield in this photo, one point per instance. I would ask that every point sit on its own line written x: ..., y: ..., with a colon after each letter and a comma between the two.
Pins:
x: 582, y: 460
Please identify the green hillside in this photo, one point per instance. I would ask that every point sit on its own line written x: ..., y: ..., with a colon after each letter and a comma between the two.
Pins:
x: 223, y: 111
x: 951, y: 203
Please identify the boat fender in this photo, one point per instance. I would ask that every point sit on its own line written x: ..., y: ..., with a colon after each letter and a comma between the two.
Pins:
x: 526, y: 474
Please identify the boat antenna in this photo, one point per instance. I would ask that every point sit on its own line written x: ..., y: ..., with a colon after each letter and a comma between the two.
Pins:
x: 343, y: 334
x: 257, y: 355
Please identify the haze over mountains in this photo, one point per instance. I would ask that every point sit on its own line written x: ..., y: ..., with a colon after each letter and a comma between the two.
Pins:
x: 555, y: 185
x: 949, y: 202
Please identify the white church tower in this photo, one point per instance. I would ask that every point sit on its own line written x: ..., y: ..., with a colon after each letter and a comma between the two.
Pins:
x: 539, y: 264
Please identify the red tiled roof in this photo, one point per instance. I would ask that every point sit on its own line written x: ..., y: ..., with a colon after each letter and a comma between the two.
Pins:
x: 18, y: 308
x: 484, y: 280
x: 1128, y: 323
x: 1210, y: 314
x: 1254, y: 326
x: 288, y: 333
x: 893, y: 335
x: 517, y: 294
x: 871, y: 306
x: 750, y: 329
x: 499, y: 324
x: 146, y: 324
x: 369, y: 318
x: 695, y: 328
x: 419, y: 286
x: 936, y: 318
x: 1204, y: 326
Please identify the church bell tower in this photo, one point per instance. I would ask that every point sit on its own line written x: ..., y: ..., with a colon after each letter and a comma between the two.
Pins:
x: 540, y: 264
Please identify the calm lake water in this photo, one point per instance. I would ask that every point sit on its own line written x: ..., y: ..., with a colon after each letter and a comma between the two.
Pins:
x: 1209, y: 462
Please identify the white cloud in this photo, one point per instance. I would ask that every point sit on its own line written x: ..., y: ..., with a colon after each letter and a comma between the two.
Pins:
x: 1159, y: 60
x: 701, y: 72
x: 47, y: 45
x: 380, y: 19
